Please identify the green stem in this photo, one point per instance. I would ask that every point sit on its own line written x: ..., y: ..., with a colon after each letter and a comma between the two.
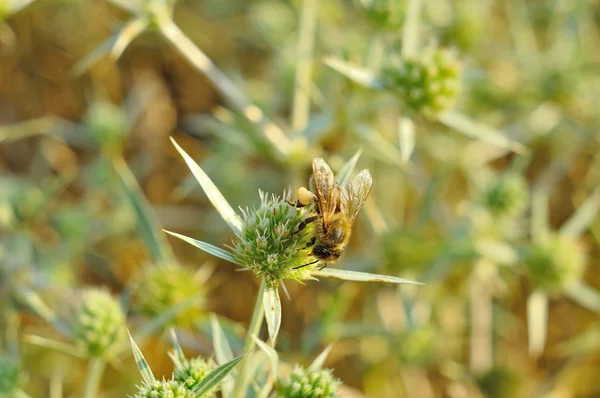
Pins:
x: 410, y: 32
x: 95, y: 370
x: 304, y: 62
x: 253, y: 330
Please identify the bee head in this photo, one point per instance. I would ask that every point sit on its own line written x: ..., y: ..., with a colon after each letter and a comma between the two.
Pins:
x: 323, y: 253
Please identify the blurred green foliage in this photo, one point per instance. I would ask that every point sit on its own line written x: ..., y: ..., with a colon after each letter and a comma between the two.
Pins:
x: 489, y: 195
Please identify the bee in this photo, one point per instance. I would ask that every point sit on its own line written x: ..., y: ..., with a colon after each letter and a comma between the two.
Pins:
x: 336, y: 208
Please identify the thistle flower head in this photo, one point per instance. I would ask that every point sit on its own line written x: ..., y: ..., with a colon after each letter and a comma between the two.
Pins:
x: 271, y: 244
x: 107, y: 124
x: 305, y: 383
x: 554, y: 262
x: 499, y: 382
x: 190, y: 372
x: 99, y: 323
x: 417, y: 345
x: 160, y: 287
x: 9, y: 375
x: 506, y: 195
x: 427, y: 84
x: 384, y: 14
x: 164, y: 389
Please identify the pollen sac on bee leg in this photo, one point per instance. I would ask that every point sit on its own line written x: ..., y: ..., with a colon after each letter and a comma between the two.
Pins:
x: 305, y: 196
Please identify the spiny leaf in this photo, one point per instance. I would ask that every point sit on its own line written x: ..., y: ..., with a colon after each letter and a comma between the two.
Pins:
x: 463, y: 124
x: 55, y: 345
x: 113, y: 46
x: 272, y: 306
x: 346, y: 171
x: 271, y: 353
x: 207, y: 247
x: 360, y: 75
x: 214, y: 378
x: 360, y: 276
x: 213, y: 193
x: 223, y: 352
x: 320, y: 360
x: 140, y: 362
x: 146, y: 219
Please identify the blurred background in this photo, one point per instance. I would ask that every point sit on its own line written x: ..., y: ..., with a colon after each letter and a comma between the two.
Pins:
x: 491, y: 201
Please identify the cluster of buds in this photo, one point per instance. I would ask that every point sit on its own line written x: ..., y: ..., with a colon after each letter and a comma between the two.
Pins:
x: 505, y: 196
x: 427, y: 84
x: 99, y: 323
x: 160, y: 287
x: 164, y: 389
x: 554, y: 262
x: 190, y: 372
x: 271, y: 243
x: 306, y: 383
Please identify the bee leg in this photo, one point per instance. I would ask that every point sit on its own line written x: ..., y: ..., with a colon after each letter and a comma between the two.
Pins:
x: 298, y: 204
x: 324, y: 266
x: 306, y: 265
x: 304, y: 223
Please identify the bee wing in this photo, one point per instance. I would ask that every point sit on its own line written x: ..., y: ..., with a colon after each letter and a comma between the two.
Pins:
x: 355, y: 194
x: 326, y: 189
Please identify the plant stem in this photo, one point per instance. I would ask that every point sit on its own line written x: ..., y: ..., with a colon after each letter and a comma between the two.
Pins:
x: 304, y: 63
x: 226, y: 87
x: 258, y: 314
x: 410, y: 32
x: 95, y: 370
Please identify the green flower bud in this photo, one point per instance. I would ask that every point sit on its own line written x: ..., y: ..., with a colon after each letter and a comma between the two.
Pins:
x: 384, y: 14
x: 159, y: 288
x: 417, y: 345
x: 9, y: 375
x: 304, y: 383
x: 107, y: 125
x: 554, y: 262
x: 164, y: 389
x: 99, y: 322
x: 507, y: 195
x: 270, y: 244
x: 427, y: 84
x: 499, y: 382
x: 191, y: 372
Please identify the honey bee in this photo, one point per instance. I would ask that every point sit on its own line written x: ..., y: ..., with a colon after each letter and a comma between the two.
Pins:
x: 336, y: 208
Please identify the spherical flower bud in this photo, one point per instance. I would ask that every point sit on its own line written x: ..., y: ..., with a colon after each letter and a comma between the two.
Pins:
x: 107, y: 125
x: 271, y: 243
x: 99, y: 322
x: 9, y: 375
x: 505, y: 196
x: 554, y: 262
x: 158, y: 288
x: 191, y: 372
x: 428, y: 84
x: 164, y: 389
x: 499, y: 382
x: 382, y: 14
x: 305, y: 383
x: 417, y: 345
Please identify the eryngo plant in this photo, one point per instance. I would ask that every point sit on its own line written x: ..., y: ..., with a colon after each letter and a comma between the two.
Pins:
x: 191, y: 379
x: 99, y: 323
x: 271, y: 244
